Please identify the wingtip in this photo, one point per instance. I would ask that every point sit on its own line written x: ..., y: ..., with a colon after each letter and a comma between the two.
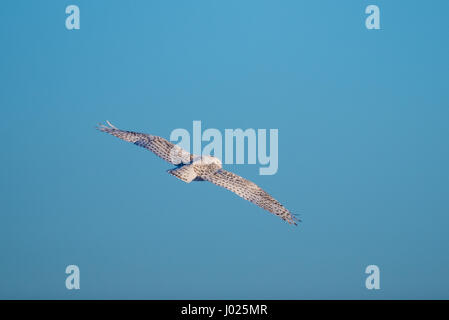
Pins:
x: 111, y: 125
x: 105, y: 128
x: 295, y: 220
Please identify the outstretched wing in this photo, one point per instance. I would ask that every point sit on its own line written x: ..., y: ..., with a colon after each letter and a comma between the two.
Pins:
x: 251, y: 192
x: 162, y: 148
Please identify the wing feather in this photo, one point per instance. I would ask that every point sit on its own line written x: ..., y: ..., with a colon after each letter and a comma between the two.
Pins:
x: 251, y: 192
x: 159, y: 146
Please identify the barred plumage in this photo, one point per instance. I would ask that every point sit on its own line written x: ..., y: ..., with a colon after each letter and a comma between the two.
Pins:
x: 251, y: 192
x: 202, y: 168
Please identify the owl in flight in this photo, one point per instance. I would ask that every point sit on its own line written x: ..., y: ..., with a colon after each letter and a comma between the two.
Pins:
x: 190, y: 168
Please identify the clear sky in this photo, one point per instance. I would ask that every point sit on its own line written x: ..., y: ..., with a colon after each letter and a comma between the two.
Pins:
x: 363, y: 149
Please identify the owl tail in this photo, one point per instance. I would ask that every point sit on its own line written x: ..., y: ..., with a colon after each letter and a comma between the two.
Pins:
x: 185, y: 173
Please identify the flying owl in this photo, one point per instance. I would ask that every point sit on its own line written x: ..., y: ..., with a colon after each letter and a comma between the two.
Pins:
x: 190, y: 168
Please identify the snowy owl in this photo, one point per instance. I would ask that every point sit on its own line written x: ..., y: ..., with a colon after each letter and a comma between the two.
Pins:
x: 190, y: 168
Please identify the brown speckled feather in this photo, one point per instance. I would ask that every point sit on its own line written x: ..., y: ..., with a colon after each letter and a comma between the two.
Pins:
x: 158, y: 145
x: 206, y: 168
x: 251, y: 192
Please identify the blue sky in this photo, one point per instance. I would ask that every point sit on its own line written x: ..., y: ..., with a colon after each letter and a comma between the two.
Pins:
x: 363, y: 149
